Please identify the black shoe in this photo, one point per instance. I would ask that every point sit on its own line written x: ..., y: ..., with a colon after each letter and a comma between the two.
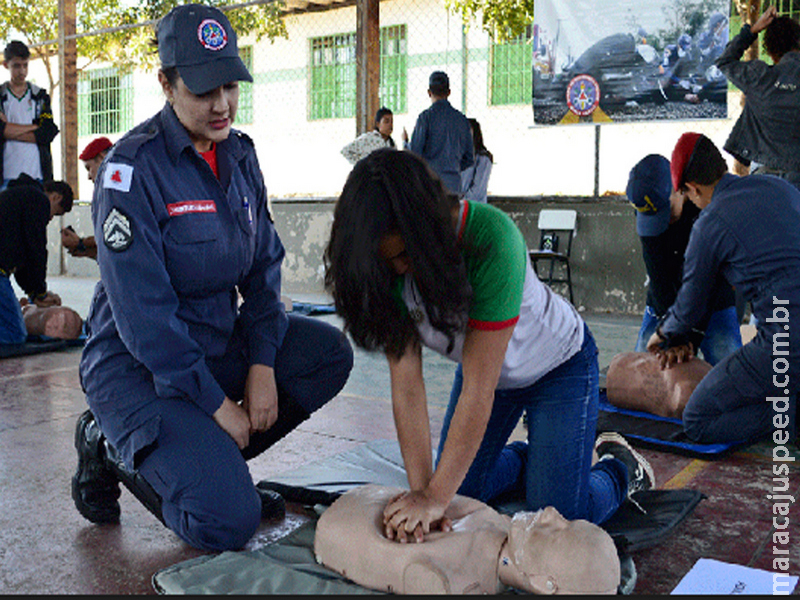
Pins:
x: 610, y: 444
x: 95, y: 488
x: 273, y: 506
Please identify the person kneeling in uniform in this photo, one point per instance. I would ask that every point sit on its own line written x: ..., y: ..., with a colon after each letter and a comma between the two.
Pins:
x: 185, y: 382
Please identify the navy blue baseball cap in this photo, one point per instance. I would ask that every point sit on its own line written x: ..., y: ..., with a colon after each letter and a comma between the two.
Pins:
x: 649, y: 189
x: 199, y: 41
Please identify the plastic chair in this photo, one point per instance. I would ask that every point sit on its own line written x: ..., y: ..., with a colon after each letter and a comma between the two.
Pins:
x: 556, y: 231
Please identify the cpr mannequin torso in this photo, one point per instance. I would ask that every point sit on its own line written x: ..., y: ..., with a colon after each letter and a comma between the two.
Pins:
x: 636, y: 381
x: 483, y: 553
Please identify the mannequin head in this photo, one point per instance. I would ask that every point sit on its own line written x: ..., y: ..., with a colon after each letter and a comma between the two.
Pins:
x: 53, y: 321
x: 546, y: 554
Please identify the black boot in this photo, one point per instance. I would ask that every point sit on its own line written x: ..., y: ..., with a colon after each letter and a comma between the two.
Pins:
x: 273, y: 506
x: 95, y: 488
x: 135, y: 483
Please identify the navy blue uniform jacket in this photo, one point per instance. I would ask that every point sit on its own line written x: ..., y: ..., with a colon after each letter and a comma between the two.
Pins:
x: 175, y: 247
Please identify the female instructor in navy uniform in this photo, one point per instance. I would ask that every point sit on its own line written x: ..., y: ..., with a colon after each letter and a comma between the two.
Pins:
x: 192, y: 365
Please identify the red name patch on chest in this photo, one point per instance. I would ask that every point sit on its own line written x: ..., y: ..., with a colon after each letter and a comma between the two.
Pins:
x: 191, y: 206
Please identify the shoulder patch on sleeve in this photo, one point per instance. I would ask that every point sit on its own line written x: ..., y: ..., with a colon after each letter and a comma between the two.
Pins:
x: 117, y: 232
x: 118, y: 176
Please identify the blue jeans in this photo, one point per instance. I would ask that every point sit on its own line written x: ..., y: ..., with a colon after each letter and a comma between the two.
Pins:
x: 554, y: 466
x: 723, y: 336
x: 12, y: 325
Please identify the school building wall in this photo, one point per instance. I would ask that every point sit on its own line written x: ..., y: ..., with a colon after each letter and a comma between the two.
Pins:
x: 534, y: 167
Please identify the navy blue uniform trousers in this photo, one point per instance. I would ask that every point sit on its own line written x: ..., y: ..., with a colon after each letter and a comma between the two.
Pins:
x: 208, y: 495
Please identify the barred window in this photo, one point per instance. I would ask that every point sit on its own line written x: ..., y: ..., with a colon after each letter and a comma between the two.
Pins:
x: 394, y: 66
x: 510, y: 74
x: 789, y: 8
x: 333, y: 73
x: 333, y: 77
x: 105, y: 102
x: 244, y: 114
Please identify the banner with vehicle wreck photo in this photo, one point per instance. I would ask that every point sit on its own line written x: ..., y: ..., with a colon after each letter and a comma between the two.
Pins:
x: 598, y: 61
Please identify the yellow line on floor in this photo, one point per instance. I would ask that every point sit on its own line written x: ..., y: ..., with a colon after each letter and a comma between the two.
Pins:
x: 686, y: 474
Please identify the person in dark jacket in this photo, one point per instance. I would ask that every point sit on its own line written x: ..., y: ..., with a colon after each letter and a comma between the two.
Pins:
x: 26, y: 208
x: 192, y: 365
x: 664, y: 222
x: 748, y: 230
x: 26, y: 121
x: 766, y: 135
x: 442, y: 135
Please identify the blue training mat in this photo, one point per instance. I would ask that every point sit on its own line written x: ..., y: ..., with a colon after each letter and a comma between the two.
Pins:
x: 659, y: 433
x: 37, y: 344
x: 310, y: 308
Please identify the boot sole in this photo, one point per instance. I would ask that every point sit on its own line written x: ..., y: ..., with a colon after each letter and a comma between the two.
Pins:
x: 100, y: 516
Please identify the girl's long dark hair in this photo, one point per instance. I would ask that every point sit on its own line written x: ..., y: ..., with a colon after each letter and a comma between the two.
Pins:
x: 388, y: 192
x: 477, y: 140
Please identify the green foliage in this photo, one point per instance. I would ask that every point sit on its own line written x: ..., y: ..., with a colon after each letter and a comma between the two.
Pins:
x: 687, y: 16
x: 501, y: 19
x: 129, y: 28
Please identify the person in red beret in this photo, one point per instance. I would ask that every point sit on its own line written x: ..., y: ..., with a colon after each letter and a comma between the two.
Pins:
x: 92, y: 156
x: 748, y: 230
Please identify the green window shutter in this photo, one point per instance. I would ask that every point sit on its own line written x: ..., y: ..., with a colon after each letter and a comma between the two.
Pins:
x: 510, y: 75
x: 105, y: 102
x: 333, y: 77
x: 332, y: 82
x: 394, y: 68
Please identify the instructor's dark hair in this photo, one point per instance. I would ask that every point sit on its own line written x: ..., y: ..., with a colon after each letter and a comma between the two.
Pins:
x: 706, y: 165
x: 394, y: 192
x: 63, y: 188
x: 782, y: 35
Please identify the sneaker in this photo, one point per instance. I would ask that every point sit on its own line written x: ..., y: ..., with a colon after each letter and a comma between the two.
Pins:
x: 95, y: 488
x: 610, y: 444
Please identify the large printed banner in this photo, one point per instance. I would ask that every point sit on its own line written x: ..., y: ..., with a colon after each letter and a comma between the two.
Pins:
x: 628, y: 60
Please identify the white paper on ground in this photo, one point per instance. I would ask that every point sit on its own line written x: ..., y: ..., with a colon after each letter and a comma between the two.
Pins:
x: 709, y: 576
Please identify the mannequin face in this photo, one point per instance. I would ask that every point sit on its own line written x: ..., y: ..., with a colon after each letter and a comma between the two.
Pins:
x: 546, y: 554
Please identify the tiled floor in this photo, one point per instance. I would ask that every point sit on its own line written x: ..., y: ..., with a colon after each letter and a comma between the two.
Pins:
x: 46, y: 547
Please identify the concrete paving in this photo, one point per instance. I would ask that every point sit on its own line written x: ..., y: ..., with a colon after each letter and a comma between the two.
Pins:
x: 46, y: 547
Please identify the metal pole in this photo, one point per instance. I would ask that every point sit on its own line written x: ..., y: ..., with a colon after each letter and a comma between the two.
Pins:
x: 597, y: 161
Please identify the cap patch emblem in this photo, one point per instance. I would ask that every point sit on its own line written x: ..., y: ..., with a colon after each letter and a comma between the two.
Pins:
x: 117, y: 233
x: 212, y: 35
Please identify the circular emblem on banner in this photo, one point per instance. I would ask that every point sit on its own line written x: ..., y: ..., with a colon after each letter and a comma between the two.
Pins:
x: 212, y: 35
x: 583, y: 95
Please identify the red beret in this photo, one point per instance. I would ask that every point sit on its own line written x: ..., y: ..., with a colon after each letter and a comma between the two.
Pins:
x: 680, y: 157
x: 95, y: 147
